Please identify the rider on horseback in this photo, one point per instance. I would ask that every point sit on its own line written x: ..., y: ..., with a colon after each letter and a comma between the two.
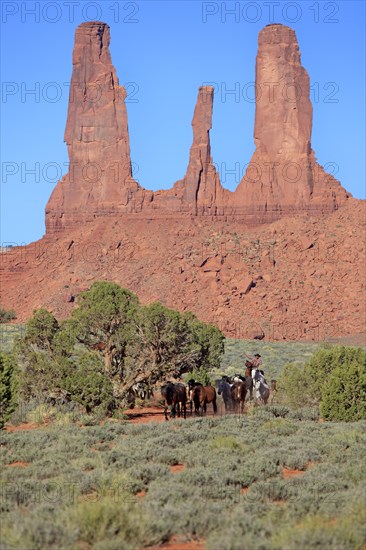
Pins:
x: 254, y: 363
x: 259, y: 382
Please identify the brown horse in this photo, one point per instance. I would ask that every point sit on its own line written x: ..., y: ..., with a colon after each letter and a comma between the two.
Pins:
x: 248, y: 379
x: 272, y: 391
x: 238, y: 395
x: 202, y: 395
x: 174, y: 395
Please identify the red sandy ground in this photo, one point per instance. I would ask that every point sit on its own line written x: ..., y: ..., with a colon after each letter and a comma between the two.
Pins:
x: 145, y: 415
x: 175, y: 544
x: 18, y: 464
x: 26, y: 426
x: 177, y: 468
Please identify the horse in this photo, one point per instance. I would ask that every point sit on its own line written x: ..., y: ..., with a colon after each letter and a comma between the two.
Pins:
x: 190, y: 387
x: 174, y: 395
x: 261, y: 387
x: 238, y: 394
x: 139, y: 390
x: 224, y: 388
x: 201, y: 396
x: 248, y: 379
x: 273, y: 390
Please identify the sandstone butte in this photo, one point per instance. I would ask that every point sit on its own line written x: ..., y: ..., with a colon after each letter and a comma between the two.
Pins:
x: 282, y: 256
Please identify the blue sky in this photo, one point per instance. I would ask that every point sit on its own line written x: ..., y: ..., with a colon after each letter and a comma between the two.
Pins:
x: 163, y: 51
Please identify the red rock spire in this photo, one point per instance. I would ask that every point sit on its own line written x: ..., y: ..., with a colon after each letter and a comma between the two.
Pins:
x: 99, y: 179
x: 283, y: 176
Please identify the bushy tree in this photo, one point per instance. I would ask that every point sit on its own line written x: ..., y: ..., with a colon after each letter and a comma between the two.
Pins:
x: 8, y: 386
x: 344, y: 394
x: 133, y: 343
x: 201, y: 376
x: 167, y: 343
x: 210, y: 342
x: 102, y: 322
x: 85, y: 382
x: 160, y: 345
x: 40, y: 331
x: 324, y: 362
x: 333, y: 378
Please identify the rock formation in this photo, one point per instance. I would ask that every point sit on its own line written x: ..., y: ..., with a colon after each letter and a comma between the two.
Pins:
x: 282, y: 178
x: 99, y: 181
x: 198, y: 246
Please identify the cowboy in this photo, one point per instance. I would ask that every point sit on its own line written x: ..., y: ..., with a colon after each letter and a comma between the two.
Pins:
x: 254, y: 363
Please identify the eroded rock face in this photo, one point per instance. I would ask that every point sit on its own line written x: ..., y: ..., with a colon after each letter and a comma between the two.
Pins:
x: 283, y: 177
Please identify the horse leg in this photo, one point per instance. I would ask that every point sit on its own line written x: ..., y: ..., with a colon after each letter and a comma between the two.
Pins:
x: 166, y: 412
x: 184, y: 410
x: 214, y: 405
x: 243, y: 402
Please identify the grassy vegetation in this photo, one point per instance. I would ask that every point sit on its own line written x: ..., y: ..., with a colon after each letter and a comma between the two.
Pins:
x: 75, y: 483
x: 8, y: 332
x: 79, y: 486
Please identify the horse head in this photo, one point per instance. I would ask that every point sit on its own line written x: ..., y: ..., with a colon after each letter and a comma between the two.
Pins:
x: 191, y: 383
x: 167, y: 392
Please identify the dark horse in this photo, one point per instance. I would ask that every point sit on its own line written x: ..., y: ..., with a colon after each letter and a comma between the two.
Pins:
x: 174, y: 395
x: 224, y: 389
x: 190, y: 387
x: 238, y: 395
x: 201, y: 396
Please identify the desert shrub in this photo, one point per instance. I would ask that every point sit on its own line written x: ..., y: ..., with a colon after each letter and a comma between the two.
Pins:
x: 7, y: 315
x: 280, y: 426
x: 334, y: 379
x: 227, y: 442
x: 293, y: 386
x: 319, y: 368
x: 344, y: 395
x: 305, y: 413
x: 8, y: 387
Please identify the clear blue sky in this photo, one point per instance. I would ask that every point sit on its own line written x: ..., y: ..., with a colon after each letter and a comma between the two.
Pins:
x: 165, y: 51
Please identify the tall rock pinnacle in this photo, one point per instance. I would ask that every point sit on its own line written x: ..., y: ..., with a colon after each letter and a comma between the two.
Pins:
x: 99, y: 178
x: 201, y: 182
x: 283, y: 175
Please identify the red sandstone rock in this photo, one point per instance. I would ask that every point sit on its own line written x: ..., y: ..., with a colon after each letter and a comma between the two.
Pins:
x: 100, y: 180
x: 164, y: 246
x: 283, y: 177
